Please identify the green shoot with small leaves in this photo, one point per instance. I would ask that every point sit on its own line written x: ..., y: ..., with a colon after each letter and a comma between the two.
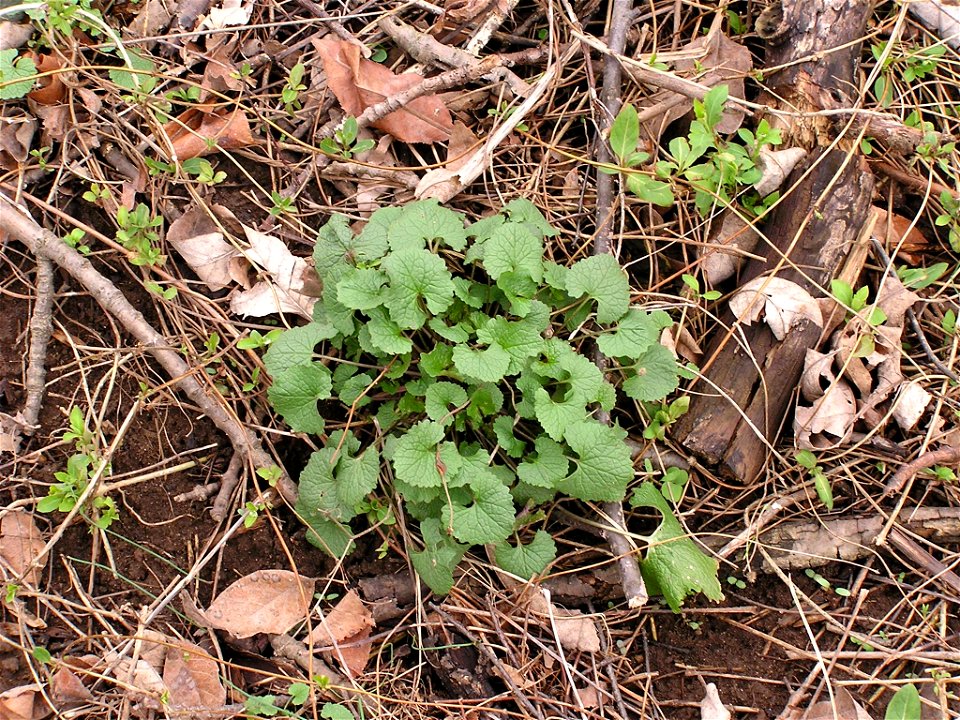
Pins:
x: 137, y: 235
x: 821, y: 482
x: 290, y: 94
x: 345, y: 142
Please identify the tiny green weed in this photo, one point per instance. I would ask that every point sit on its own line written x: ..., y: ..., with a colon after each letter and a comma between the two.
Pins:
x: 821, y: 482
x: 345, y: 142
x: 137, y: 235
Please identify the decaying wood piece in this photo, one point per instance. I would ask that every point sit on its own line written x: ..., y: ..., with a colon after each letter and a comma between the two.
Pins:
x: 807, y: 238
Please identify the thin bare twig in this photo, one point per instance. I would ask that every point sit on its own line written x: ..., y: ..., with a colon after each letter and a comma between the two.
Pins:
x: 41, y: 328
x: 634, y: 589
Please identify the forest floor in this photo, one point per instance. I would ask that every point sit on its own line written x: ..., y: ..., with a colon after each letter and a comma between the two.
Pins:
x: 194, y: 170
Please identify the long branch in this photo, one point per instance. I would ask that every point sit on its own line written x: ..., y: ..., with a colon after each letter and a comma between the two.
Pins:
x: 634, y: 588
x: 19, y: 225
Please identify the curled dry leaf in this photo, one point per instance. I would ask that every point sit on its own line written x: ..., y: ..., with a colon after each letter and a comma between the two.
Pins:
x: 192, y: 678
x: 21, y: 543
x: 574, y: 630
x: 723, y: 255
x: 220, y: 73
x: 816, y: 367
x: 14, y: 35
x: 896, y: 231
x: 833, y: 413
x: 23, y: 703
x: 347, y: 626
x: 910, y: 404
x: 51, y: 90
x: 204, y: 130
x: 783, y: 303
x: 289, y: 280
x: 710, y: 707
x: 200, y: 242
x: 682, y: 345
x: 358, y: 84
x: 776, y: 166
x: 11, y: 429
x: 16, y: 139
x: 266, y: 601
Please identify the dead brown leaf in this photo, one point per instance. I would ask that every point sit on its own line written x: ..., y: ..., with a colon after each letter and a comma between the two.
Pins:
x: 895, y: 299
x: 358, y: 84
x: 192, y: 678
x: 14, y: 35
x: 723, y: 255
x: 52, y: 91
x: 711, y: 707
x: 200, y: 242
x: 67, y: 689
x: 16, y: 139
x: 23, y: 703
x: 782, y: 302
x: 20, y: 544
x: 220, y: 73
x: 153, y: 18
x: 843, y: 706
x: 833, y: 414
x: 776, y: 166
x: 204, y: 130
x: 266, y: 601
x: 11, y: 430
x: 896, y: 231
x: 574, y: 630
x: 288, y: 280
x: 347, y: 626
x: 910, y: 404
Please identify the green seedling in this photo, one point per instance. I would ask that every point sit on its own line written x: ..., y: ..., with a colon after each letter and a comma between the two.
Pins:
x: 736, y: 582
x: 903, y: 64
x: 137, y: 235
x: 716, y: 168
x: 290, y: 94
x: 691, y: 282
x: 271, y: 475
x: 97, y: 193
x: 462, y: 343
x: 624, y: 141
x: 950, y: 218
x: 944, y: 474
x: 203, y: 171
x: 665, y: 416
x: 503, y: 111
x: 255, y: 340
x: 74, y: 239
x: 281, y: 204
x: 42, y: 156
x: 919, y: 278
x: 856, y: 302
x: 949, y: 323
x: 821, y: 482
x: 72, y: 481
x: 345, y: 143
x: 155, y: 289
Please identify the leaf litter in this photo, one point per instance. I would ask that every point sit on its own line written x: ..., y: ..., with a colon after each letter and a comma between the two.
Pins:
x: 845, y: 390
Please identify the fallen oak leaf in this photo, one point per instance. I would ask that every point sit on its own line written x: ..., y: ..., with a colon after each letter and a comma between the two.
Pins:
x: 358, y: 84
x: 783, y: 303
x: 20, y: 703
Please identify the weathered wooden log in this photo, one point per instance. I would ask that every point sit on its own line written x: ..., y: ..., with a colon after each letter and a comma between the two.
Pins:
x: 808, y: 235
